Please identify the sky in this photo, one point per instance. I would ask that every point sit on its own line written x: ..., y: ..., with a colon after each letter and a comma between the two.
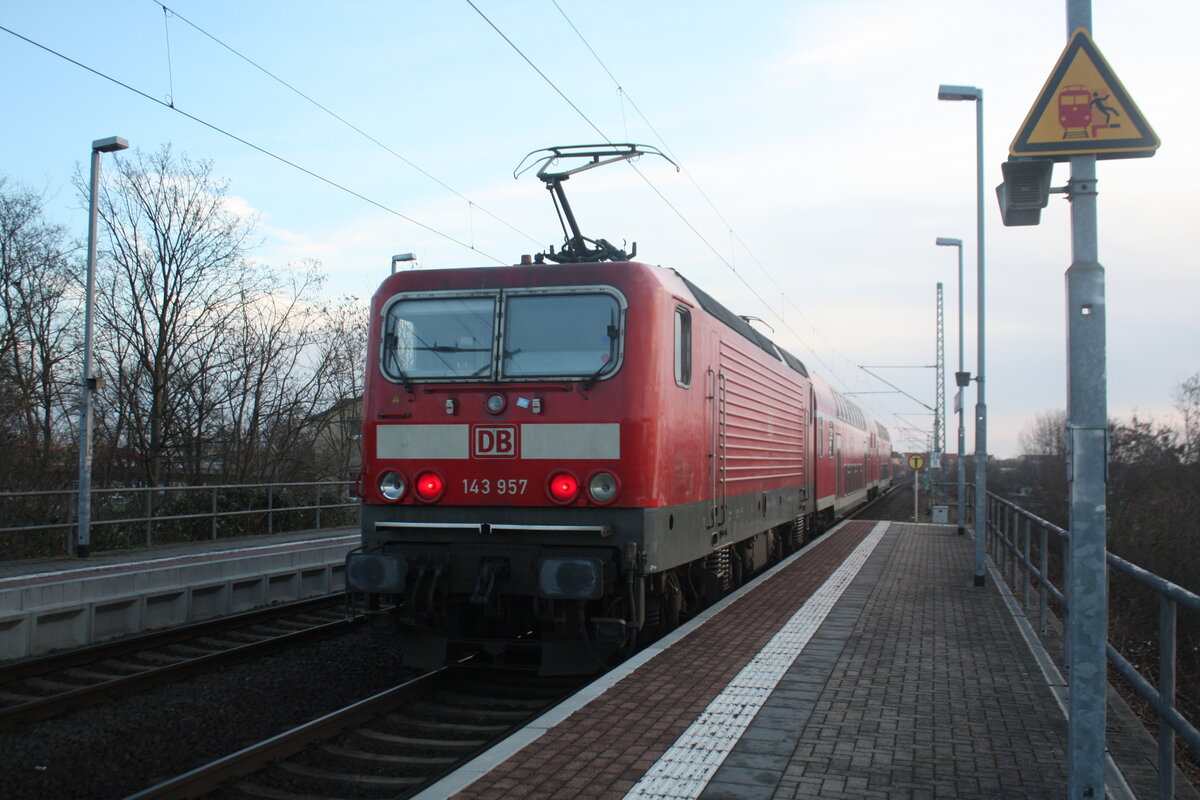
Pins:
x: 818, y: 166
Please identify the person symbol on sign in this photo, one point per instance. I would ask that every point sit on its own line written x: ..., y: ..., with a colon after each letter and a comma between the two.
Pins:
x: 1098, y: 102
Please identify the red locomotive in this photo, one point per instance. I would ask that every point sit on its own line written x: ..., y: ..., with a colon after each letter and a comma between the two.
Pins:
x: 558, y: 457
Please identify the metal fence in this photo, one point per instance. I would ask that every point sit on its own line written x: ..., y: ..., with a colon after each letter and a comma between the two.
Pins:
x: 1017, y: 539
x: 42, y: 524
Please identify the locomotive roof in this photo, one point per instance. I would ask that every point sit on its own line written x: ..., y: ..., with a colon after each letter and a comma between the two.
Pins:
x: 741, y: 326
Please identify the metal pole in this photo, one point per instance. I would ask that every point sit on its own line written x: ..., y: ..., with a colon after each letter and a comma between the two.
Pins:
x: 981, y: 403
x: 1166, y: 692
x: 1087, y: 434
x: 83, y: 537
x: 962, y: 432
x: 916, y: 491
x: 958, y: 395
x: 939, y: 414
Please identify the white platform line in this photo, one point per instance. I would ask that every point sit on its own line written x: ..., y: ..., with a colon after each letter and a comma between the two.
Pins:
x: 688, y: 765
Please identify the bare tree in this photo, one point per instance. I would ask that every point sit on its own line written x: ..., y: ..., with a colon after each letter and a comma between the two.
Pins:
x: 38, y: 338
x: 270, y: 385
x: 1046, y: 435
x: 342, y: 358
x: 1187, y: 398
x: 173, y: 275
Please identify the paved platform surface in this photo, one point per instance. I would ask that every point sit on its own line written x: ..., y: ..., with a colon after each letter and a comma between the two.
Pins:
x: 909, y: 682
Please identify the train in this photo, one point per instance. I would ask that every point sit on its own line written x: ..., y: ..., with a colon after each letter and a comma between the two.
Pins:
x: 561, y: 458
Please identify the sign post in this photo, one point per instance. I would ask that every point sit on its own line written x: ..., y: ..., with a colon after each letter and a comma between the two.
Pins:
x: 916, y: 462
x: 1083, y: 114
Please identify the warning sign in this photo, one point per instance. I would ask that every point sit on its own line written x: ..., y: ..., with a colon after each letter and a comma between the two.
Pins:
x: 916, y: 462
x: 1084, y: 110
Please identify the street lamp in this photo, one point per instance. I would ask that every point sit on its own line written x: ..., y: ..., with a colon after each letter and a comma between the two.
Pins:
x: 960, y: 379
x: 947, y: 92
x: 83, y: 538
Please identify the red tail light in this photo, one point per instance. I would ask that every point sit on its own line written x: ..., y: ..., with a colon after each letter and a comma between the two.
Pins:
x: 429, y: 486
x: 563, y: 487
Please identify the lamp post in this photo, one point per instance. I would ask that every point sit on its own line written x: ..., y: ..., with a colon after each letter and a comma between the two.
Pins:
x: 960, y: 378
x: 83, y: 538
x: 947, y: 92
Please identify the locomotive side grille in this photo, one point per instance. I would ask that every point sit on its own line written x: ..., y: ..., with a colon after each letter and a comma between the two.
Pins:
x: 764, y: 421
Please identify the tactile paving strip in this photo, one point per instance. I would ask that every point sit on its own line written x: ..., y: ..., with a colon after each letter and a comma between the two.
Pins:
x: 683, y: 771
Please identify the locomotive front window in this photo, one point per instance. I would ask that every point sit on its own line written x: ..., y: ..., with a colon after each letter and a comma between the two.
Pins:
x: 444, y: 337
x: 561, y: 335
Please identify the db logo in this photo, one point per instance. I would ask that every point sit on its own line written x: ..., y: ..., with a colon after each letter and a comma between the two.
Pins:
x: 494, y: 441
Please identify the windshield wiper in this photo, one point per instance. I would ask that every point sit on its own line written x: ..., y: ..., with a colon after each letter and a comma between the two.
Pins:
x: 613, y: 333
x: 390, y: 344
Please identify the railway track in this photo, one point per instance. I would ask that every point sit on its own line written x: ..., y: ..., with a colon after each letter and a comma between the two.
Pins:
x: 39, y: 688
x: 390, y: 745
x: 393, y: 744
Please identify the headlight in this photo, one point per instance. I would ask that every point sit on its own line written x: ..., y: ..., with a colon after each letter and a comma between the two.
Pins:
x: 570, y: 578
x: 603, y: 487
x: 392, y: 486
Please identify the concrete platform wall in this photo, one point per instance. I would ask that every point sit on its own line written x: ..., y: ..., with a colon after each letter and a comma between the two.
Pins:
x: 66, y: 610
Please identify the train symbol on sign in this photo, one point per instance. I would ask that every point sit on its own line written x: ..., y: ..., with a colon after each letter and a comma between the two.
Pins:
x: 1076, y: 111
x: 494, y: 441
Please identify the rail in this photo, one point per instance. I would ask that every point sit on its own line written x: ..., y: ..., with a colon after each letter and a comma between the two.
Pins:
x: 42, y: 524
x: 1011, y: 530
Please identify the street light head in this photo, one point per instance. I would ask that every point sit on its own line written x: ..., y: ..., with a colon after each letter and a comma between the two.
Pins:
x: 943, y: 241
x: 948, y: 92
x: 110, y: 145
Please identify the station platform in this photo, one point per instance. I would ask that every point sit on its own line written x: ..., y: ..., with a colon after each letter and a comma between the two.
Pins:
x: 54, y: 603
x: 867, y: 666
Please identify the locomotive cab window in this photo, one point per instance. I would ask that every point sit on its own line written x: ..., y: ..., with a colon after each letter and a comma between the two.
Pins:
x: 561, y: 335
x: 438, y: 337
x: 548, y: 334
x: 683, y: 346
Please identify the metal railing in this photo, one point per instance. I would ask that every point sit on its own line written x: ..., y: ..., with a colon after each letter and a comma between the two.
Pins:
x: 42, y: 524
x: 1011, y: 532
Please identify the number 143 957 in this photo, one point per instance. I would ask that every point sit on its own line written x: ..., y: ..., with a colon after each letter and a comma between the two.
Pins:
x: 489, y: 486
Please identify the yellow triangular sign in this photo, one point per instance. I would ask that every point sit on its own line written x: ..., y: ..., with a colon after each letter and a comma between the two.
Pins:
x: 1084, y: 110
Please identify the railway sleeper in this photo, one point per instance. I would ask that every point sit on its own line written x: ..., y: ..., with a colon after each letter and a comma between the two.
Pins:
x: 341, y: 751
x: 354, y: 779
x: 420, y: 741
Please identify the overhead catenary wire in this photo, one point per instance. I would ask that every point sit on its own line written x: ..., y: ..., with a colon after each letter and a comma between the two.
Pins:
x: 308, y: 98
x: 624, y: 92
x: 328, y: 181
